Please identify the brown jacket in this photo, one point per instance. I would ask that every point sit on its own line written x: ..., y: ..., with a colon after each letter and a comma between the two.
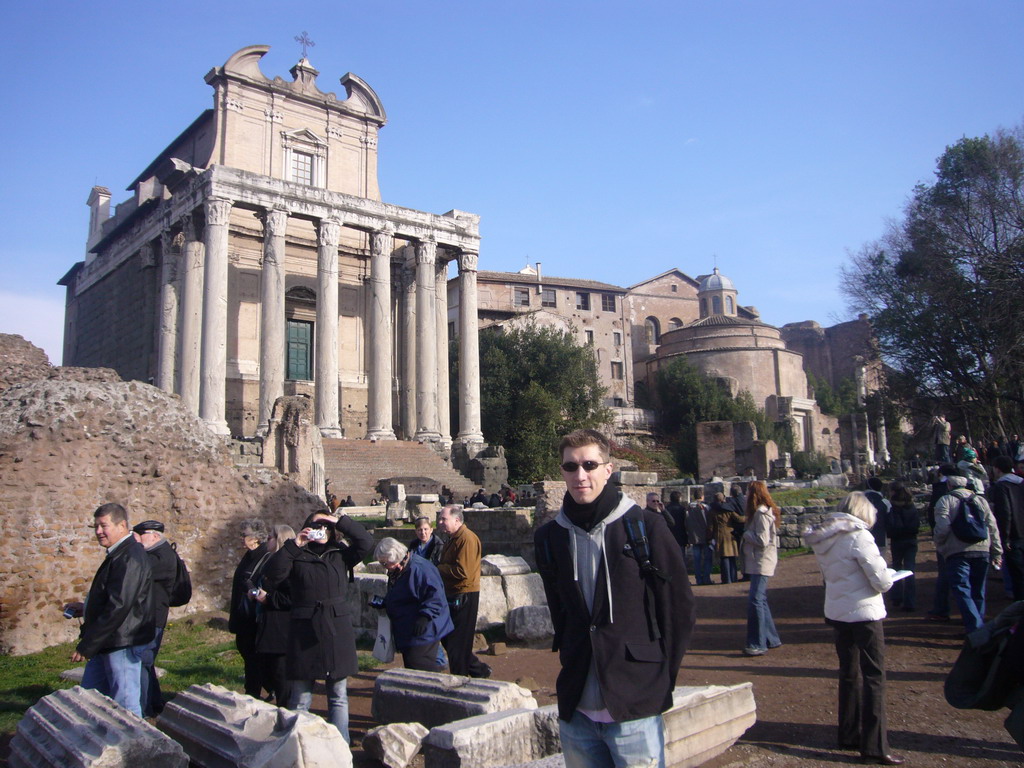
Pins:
x: 460, y: 563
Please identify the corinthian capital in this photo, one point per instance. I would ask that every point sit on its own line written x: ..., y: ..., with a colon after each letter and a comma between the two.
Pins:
x: 426, y: 252
x: 217, y: 210
x: 468, y: 261
x: 330, y: 231
x: 382, y: 241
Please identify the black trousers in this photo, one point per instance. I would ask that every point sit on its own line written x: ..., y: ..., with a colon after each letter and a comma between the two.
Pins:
x: 245, y: 642
x: 422, y: 657
x: 273, y: 677
x: 860, y: 646
x: 459, y: 643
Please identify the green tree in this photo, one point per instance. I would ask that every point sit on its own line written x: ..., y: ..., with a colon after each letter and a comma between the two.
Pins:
x: 685, y: 397
x: 536, y: 384
x: 943, y: 286
x: 837, y: 401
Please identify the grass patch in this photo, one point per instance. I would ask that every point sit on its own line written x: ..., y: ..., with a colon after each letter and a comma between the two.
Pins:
x: 798, y: 497
x: 197, y: 649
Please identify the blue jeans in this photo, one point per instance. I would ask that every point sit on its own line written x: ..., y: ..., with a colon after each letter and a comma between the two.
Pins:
x: 967, y: 580
x: 337, y: 701
x: 117, y: 674
x: 904, y: 558
x: 151, y: 697
x: 586, y: 744
x: 702, y: 556
x: 940, y: 605
x: 728, y: 569
x: 761, y: 632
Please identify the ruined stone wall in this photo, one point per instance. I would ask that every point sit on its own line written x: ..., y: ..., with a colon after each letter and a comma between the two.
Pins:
x: 716, y: 449
x: 116, y: 322
x: 82, y: 438
x: 21, y: 360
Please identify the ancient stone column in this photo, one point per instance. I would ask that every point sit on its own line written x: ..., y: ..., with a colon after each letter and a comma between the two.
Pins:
x: 408, y: 393
x: 379, y: 427
x: 168, y: 339
x: 272, y: 321
x: 193, y: 259
x: 444, y: 425
x: 469, y: 352
x: 327, y: 329
x: 426, y: 342
x: 214, y: 366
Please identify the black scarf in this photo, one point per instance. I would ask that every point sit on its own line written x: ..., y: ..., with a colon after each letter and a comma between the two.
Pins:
x: 586, y: 516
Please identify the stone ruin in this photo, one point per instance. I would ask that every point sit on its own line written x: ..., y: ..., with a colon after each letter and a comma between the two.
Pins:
x: 456, y: 721
x: 79, y: 437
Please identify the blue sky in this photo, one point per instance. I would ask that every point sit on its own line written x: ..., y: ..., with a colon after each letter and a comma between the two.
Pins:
x: 608, y: 140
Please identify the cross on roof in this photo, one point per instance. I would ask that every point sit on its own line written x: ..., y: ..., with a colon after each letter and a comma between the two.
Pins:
x: 305, y: 42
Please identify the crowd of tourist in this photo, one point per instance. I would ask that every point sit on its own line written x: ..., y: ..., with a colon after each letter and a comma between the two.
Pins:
x: 289, y: 606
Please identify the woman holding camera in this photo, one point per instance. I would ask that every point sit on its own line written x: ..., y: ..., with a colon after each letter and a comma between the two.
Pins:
x: 273, y: 620
x: 321, y: 643
x: 243, y: 609
x: 416, y: 605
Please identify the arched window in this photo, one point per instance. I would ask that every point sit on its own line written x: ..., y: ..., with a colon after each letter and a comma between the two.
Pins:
x: 653, y: 330
x: 674, y: 323
x: 703, y: 307
x: 730, y: 308
x: 716, y: 305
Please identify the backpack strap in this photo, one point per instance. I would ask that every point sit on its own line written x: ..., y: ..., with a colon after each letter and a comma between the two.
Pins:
x: 639, y: 547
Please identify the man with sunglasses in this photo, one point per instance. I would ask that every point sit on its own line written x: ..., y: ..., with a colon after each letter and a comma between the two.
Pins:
x: 622, y: 611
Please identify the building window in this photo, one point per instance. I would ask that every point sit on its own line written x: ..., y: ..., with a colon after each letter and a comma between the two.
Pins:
x: 617, y: 338
x: 617, y: 370
x: 675, y: 288
x: 583, y: 301
x: 521, y: 297
x: 703, y: 307
x: 618, y: 402
x: 674, y: 323
x: 716, y: 305
x: 729, y: 308
x: 547, y: 297
x: 300, y: 350
x: 607, y: 302
x: 305, y: 158
x: 302, y: 168
x: 589, y: 336
x: 653, y: 330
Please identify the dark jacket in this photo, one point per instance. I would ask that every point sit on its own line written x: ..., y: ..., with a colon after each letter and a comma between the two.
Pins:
x: 678, y: 513
x: 321, y: 640
x: 1006, y: 497
x: 242, y: 611
x: 163, y: 561
x: 119, y: 609
x: 432, y: 549
x: 903, y: 522
x: 274, y: 615
x: 637, y: 644
x: 417, y: 591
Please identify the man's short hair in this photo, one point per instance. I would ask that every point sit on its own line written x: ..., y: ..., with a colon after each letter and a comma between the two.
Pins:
x: 874, y: 483
x: 675, y: 497
x: 582, y: 437
x: 1004, y: 464
x: 698, y: 494
x: 116, y: 512
x: 258, y: 529
x: 390, y: 551
x: 455, y: 510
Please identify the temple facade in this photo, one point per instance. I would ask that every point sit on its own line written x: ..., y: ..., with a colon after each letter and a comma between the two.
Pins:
x: 255, y: 258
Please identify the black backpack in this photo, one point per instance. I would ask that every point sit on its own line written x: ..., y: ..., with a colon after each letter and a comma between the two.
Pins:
x: 181, y: 591
x: 969, y: 523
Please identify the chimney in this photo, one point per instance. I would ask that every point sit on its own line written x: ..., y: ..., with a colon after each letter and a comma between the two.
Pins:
x: 540, y: 287
x: 99, y: 212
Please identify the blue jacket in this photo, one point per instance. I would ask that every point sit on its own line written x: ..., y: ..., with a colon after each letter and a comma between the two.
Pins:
x: 417, y: 591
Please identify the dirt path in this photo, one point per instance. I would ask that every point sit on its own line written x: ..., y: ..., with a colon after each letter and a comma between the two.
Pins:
x: 795, y: 685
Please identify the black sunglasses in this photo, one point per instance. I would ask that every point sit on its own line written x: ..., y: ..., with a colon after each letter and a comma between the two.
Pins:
x: 588, y: 466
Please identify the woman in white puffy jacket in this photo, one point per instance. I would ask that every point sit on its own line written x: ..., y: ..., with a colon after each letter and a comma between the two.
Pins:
x: 855, y: 578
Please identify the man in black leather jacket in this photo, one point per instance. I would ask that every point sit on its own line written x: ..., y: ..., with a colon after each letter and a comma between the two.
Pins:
x: 118, y: 612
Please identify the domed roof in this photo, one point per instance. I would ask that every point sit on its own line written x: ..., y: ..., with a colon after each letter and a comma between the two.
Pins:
x: 716, y: 281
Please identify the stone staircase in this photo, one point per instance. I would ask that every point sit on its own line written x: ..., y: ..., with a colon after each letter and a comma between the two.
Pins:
x: 354, y: 467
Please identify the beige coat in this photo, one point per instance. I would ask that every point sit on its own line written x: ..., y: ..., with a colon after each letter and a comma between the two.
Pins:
x: 761, y: 543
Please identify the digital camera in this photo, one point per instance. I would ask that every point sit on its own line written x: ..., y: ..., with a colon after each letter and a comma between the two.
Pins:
x: 70, y: 613
x: 254, y: 592
x: 317, y: 534
x: 376, y: 601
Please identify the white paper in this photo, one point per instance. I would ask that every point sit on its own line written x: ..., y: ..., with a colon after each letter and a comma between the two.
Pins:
x: 897, y: 575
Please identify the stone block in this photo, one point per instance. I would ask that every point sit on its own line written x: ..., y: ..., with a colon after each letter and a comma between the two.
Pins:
x: 705, y: 721
x: 635, y: 478
x: 832, y: 481
x: 553, y: 761
x: 530, y: 624
x: 433, y: 698
x: 485, y: 740
x: 364, y: 616
x: 81, y: 727
x: 395, y: 744
x: 503, y: 565
x: 222, y: 729
x: 524, y: 589
x: 493, y: 605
